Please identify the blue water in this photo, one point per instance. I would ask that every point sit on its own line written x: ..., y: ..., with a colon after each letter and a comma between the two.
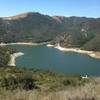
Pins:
x: 43, y: 57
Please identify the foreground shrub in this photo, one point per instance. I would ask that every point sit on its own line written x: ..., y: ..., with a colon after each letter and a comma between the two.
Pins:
x: 12, y: 83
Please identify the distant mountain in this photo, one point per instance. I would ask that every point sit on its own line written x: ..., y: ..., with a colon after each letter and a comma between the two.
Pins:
x: 68, y: 31
x: 79, y: 32
x: 29, y: 27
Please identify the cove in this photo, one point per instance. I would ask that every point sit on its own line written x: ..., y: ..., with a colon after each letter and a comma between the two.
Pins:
x: 43, y: 57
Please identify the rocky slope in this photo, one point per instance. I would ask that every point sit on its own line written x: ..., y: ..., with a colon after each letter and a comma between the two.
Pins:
x: 68, y: 31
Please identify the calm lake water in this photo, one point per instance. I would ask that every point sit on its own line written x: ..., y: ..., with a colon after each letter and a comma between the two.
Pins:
x: 43, y: 57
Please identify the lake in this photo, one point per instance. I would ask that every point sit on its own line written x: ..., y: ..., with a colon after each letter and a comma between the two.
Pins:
x: 43, y: 57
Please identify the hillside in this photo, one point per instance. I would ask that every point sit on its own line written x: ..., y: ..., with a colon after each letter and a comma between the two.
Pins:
x: 80, y: 32
x: 22, y: 84
x: 35, y: 27
x: 29, y: 27
x: 5, y: 55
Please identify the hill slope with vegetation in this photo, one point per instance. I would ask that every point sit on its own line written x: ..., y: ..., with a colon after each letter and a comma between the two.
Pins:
x: 35, y: 27
x: 22, y: 84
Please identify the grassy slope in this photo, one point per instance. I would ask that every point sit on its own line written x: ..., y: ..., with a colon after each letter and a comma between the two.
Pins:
x: 13, y: 78
x: 43, y: 83
x: 47, y: 86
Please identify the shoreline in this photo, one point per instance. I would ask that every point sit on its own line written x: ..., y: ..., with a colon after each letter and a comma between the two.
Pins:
x: 13, y: 57
x: 23, y: 43
x: 50, y: 45
x: 92, y: 54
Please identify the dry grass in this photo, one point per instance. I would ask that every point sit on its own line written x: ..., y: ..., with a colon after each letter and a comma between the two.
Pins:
x: 91, y: 91
x: 51, y: 86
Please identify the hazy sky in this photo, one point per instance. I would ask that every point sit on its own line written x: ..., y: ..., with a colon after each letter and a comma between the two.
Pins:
x: 89, y: 8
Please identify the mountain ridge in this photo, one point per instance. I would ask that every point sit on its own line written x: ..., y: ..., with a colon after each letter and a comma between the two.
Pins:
x: 36, y: 27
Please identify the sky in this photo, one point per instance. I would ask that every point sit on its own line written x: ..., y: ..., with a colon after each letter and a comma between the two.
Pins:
x: 87, y: 8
